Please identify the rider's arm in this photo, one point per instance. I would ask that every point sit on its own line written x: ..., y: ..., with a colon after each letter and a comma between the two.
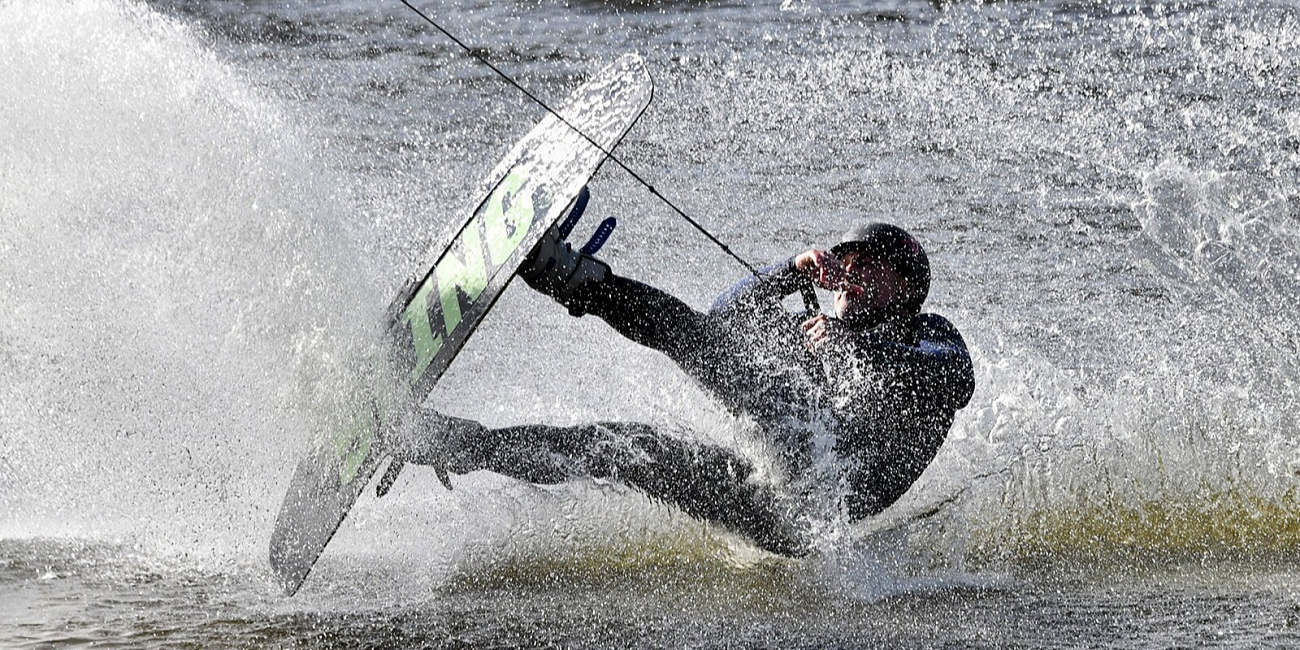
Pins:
x: 771, y: 284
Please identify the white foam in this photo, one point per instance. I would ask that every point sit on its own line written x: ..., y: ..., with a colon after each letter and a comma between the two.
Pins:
x: 175, y: 272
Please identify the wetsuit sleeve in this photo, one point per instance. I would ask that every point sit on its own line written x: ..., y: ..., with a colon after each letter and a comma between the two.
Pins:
x: 772, y: 284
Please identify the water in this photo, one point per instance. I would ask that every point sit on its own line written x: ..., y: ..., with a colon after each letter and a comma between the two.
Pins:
x: 206, y: 206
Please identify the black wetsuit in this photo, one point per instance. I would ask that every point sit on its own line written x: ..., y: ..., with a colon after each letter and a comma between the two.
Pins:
x: 887, y: 395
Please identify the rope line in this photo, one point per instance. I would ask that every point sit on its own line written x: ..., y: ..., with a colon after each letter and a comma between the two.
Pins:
x: 655, y: 192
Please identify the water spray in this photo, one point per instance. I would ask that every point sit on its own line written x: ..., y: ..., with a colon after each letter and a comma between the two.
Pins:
x: 809, y: 296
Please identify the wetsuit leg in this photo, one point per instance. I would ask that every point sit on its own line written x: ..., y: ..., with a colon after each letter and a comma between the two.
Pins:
x: 706, y: 481
x: 648, y: 316
x: 709, y: 348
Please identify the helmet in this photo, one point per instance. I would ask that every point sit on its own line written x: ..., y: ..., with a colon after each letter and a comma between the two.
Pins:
x: 895, y: 246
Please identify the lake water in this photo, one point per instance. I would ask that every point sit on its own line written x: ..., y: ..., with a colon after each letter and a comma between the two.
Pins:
x: 206, y: 206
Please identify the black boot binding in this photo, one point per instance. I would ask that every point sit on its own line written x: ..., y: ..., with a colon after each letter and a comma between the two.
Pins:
x: 554, y: 268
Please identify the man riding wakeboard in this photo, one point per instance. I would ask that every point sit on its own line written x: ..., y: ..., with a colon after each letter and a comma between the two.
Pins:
x: 882, y: 378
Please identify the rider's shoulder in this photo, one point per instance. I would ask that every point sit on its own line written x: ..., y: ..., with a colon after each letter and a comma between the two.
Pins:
x: 933, y: 327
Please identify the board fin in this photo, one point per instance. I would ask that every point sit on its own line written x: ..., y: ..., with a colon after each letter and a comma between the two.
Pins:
x: 395, y: 468
x: 390, y: 476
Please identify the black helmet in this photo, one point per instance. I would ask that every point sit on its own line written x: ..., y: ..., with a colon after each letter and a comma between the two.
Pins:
x: 894, y: 245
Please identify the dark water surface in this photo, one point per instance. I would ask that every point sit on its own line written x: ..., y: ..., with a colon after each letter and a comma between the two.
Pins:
x: 104, y: 597
x: 205, y: 207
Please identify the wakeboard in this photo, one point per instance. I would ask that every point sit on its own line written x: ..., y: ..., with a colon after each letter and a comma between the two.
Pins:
x: 438, y: 310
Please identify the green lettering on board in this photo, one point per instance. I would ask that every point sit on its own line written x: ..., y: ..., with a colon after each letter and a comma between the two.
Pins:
x: 505, y: 225
x: 468, y: 277
x: 426, y: 341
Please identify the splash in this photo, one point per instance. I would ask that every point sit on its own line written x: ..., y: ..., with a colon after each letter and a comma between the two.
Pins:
x: 1131, y: 308
x: 1190, y: 450
x: 175, y: 271
x: 177, y: 261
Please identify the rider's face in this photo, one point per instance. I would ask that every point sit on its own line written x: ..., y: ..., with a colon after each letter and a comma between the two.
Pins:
x: 873, y: 285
